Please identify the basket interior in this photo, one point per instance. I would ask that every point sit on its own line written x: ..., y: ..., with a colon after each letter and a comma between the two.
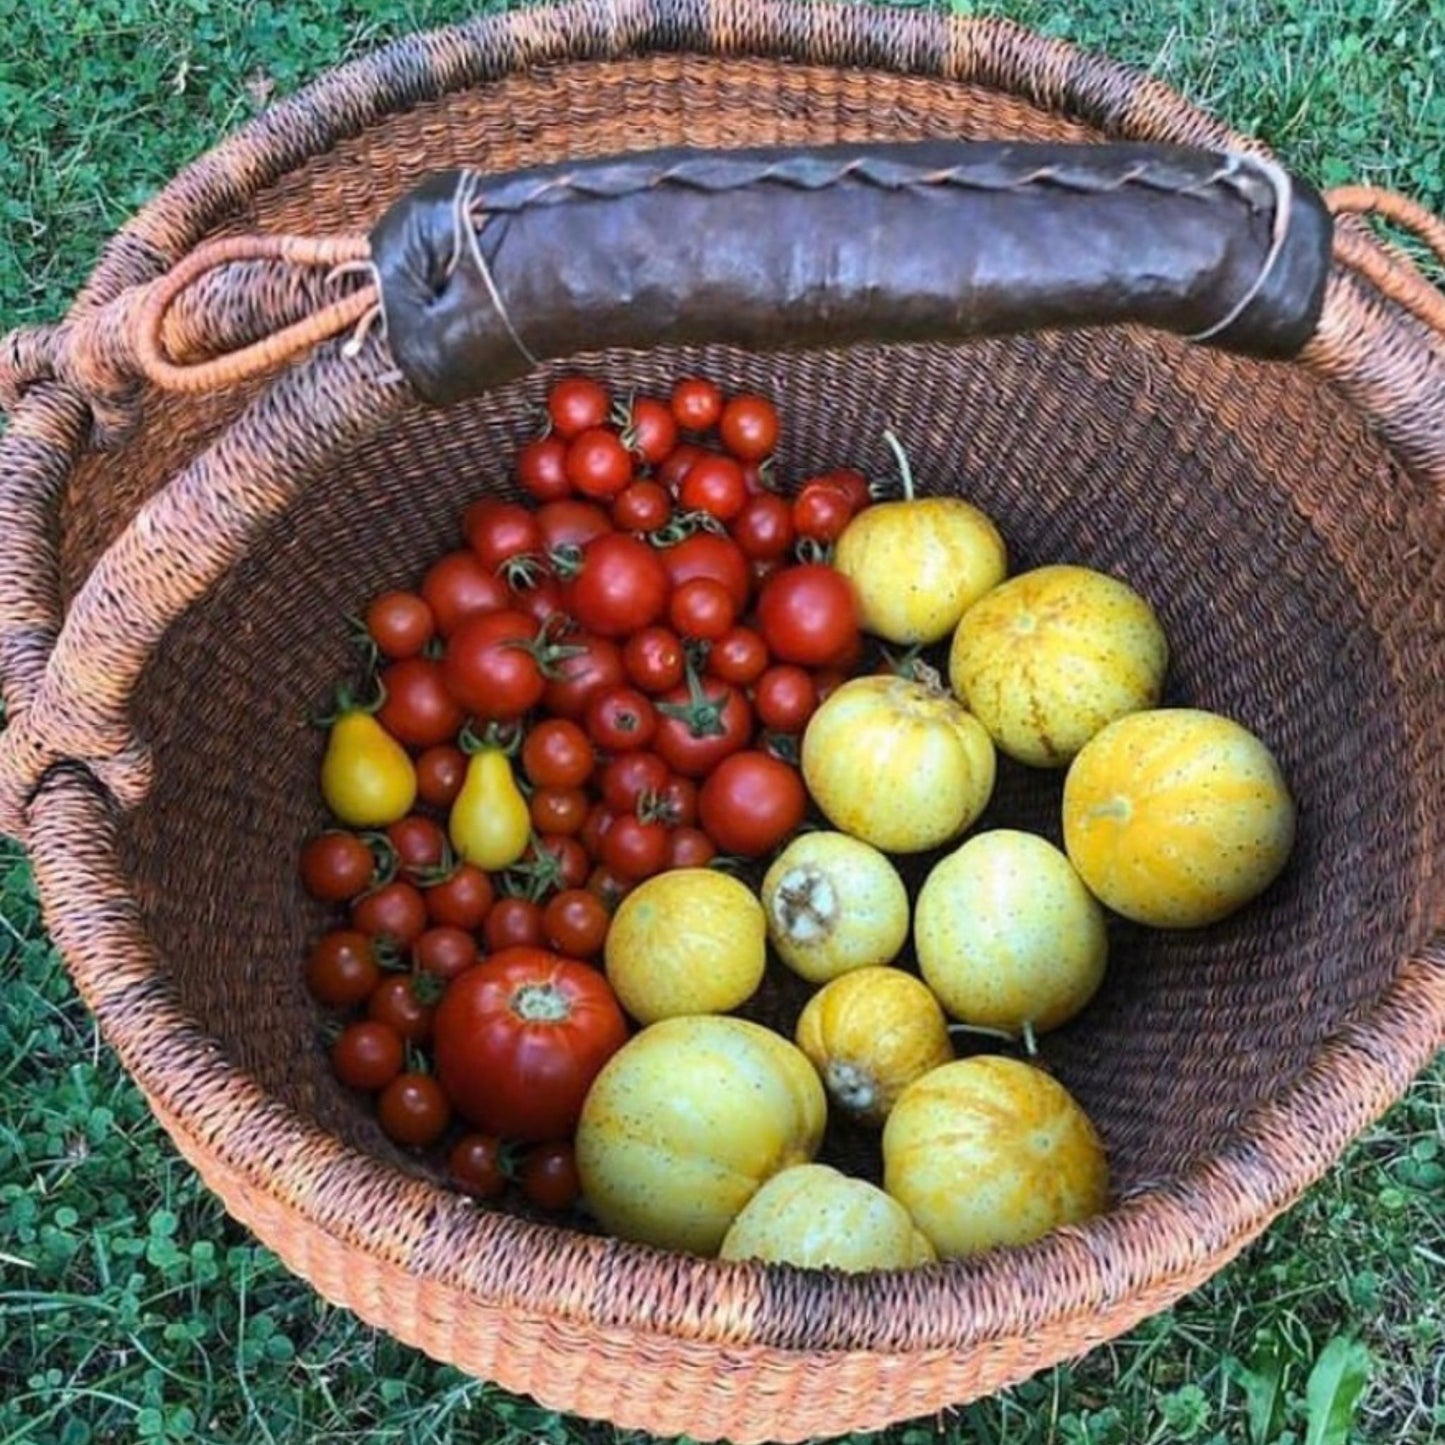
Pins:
x: 1194, y: 477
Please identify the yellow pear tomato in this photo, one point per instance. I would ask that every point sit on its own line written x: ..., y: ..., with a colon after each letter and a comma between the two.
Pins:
x: 897, y: 763
x: 1051, y: 656
x: 814, y: 1216
x: 834, y: 903
x: 686, y: 1121
x: 871, y: 1033
x: 990, y: 1151
x: 489, y: 823
x: 1007, y: 935
x: 1177, y: 817
x: 367, y: 777
x: 688, y: 941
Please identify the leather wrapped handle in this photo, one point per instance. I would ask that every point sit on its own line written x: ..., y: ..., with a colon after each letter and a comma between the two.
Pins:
x: 482, y: 277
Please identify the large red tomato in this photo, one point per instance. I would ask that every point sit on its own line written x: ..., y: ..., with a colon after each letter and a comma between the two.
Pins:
x: 519, y: 1039
x: 491, y: 668
x: 699, y: 724
x: 751, y: 802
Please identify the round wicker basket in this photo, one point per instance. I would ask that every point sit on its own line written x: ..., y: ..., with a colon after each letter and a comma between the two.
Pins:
x: 174, y: 554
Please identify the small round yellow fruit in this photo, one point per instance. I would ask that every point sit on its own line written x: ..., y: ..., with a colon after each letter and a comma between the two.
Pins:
x: 686, y: 1121
x: 870, y: 1034
x: 1176, y: 818
x: 689, y: 941
x: 990, y: 1151
x: 898, y: 764
x: 918, y: 565
x: 1007, y: 935
x: 834, y: 903
x: 1048, y: 658
x: 814, y: 1216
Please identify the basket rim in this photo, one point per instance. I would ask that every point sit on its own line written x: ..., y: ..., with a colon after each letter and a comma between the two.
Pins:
x: 1156, y: 1245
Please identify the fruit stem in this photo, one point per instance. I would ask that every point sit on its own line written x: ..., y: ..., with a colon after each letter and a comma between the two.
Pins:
x: 905, y: 472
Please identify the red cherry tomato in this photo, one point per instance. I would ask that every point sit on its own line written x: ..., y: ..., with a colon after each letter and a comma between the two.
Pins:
x: 651, y: 431
x: 542, y: 469
x: 641, y: 507
x: 764, y: 528
x: 562, y: 861
x: 400, y: 623
x: 558, y: 810
x: 608, y: 887
x: 548, y: 1176
x: 413, y: 1110
x: 821, y: 512
x: 599, y: 820
x: 336, y: 866
x: 739, y: 656
x: 490, y: 666
x: 852, y: 483
x: 749, y: 427
x: 557, y: 754
x: 419, y: 843
x: 808, y: 614
x: 714, y: 484
x: 458, y: 586
x: 621, y: 586
x: 367, y: 1055
x: 676, y: 802
x: 696, y: 404
x: 676, y: 465
x: 598, y: 465
x: 445, y: 951
x: 396, y: 911
x: 654, y: 659
x: 520, y: 1038
x: 596, y: 664
x: 705, y: 554
x: 341, y: 969
x: 571, y: 523
x: 621, y: 720
x: 785, y: 698
x: 701, y: 725
x: 513, y: 923
x: 575, y: 403
x: 634, y: 849
x: 539, y: 597
x: 575, y: 923
x: 499, y: 531
x: 689, y: 847
x: 397, y: 1002
x: 419, y: 709
x: 702, y: 608
x: 476, y: 1162
x: 751, y: 802
x: 440, y: 773
x: 461, y: 900
x: 627, y: 779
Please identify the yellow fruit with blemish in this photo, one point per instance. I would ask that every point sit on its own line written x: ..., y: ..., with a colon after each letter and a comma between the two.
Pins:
x: 1051, y: 656
x: 1177, y: 817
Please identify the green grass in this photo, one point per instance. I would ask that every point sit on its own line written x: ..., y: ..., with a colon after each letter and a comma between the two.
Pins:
x: 132, y: 1309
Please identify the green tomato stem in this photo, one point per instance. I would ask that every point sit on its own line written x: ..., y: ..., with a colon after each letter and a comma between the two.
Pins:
x: 905, y: 471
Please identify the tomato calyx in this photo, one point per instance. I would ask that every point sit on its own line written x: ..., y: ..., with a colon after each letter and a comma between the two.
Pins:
x: 358, y: 634
x: 912, y: 666
x: 702, y: 714
x: 544, y: 649
x: 785, y: 747
x: 538, y: 874
x: 684, y: 525
x: 497, y: 738
x: 524, y: 570
x: 812, y: 552
x: 345, y: 703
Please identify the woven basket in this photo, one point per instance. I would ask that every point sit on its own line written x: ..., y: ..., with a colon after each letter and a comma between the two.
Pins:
x: 185, y: 518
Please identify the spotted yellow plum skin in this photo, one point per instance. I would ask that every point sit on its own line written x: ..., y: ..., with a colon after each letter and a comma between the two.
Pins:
x: 991, y: 1151
x: 1051, y: 656
x: 814, y: 1216
x: 1008, y: 935
x: 686, y: 1121
x: 1177, y: 817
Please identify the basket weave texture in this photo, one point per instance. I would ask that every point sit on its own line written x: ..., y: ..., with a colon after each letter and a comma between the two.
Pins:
x: 176, y: 556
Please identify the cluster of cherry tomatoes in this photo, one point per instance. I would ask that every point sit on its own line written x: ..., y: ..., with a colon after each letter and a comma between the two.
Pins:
x: 642, y: 638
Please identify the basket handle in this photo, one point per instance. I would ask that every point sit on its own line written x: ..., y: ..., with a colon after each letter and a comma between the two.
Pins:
x: 777, y: 249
